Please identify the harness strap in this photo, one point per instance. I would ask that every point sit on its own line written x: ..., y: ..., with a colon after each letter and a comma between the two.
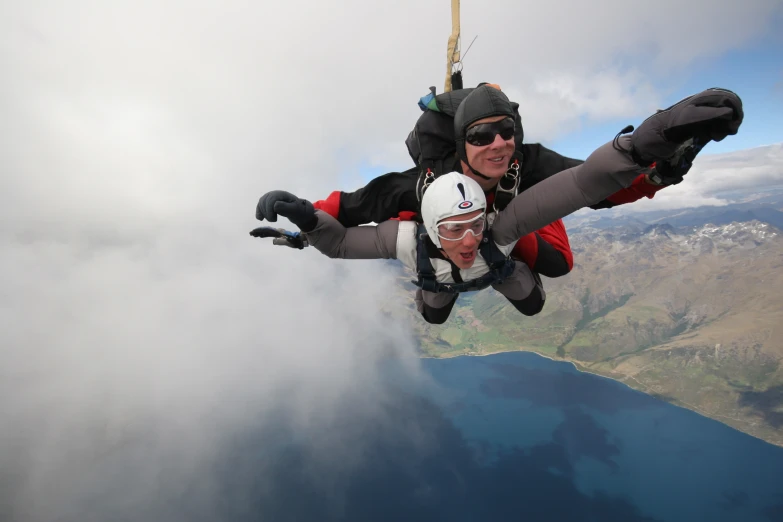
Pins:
x: 452, y: 51
x: 500, y: 266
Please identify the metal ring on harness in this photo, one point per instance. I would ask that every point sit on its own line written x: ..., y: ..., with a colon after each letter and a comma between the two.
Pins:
x: 429, y: 177
x: 513, y: 174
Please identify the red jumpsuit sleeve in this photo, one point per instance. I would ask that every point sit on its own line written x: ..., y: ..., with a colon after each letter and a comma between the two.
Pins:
x: 405, y: 215
x: 330, y: 205
x: 554, y: 234
x: 639, y: 189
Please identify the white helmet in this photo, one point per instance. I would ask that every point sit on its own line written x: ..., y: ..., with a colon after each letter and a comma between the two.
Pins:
x: 451, y: 194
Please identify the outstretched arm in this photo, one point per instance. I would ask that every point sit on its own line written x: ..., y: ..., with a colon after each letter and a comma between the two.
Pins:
x: 381, y: 199
x: 334, y: 240
x: 606, y: 171
x: 541, y: 163
x: 327, y: 234
x: 711, y: 114
x: 669, y: 140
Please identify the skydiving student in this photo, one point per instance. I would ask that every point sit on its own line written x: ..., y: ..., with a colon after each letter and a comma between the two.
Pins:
x: 462, y: 246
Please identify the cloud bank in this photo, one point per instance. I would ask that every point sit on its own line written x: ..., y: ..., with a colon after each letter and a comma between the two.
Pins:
x: 717, y: 179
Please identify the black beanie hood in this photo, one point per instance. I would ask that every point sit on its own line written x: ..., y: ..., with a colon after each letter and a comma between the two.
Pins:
x: 484, y: 102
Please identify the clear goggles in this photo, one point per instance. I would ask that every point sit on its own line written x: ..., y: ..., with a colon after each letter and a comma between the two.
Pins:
x: 456, y: 230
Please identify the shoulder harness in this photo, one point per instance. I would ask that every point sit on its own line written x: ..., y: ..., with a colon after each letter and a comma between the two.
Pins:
x: 500, y: 266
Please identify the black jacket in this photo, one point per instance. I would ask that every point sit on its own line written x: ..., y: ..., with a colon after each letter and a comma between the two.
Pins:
x: 389, y: 194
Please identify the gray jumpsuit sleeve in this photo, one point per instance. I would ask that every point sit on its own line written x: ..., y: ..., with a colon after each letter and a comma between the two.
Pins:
x: 332, y: 239
x: 606, y: 171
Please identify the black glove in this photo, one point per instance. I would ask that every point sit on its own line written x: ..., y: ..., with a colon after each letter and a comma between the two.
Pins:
x: 710, y: 115
x: 282, y: 237
x: 300, y: 212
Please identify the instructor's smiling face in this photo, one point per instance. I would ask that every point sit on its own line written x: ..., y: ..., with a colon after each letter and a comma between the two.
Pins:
x: 492, y: 159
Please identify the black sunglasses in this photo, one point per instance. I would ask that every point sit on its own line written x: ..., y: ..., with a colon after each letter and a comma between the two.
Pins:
x: 484, y: 133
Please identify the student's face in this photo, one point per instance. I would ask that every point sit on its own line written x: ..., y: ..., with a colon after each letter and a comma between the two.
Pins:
x: 492, y: 159
x: 462, y: 252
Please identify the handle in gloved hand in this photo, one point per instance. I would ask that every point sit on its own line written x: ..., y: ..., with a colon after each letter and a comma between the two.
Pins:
x: 671, y: 171
x: 281, y: 237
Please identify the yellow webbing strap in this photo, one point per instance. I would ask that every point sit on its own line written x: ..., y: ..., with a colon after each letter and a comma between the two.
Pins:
x: 452, y: 53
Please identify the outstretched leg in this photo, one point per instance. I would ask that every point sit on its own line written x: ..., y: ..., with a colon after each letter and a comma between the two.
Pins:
x: 524, y: 290
x: 434, y: 308
x: 532, y: 304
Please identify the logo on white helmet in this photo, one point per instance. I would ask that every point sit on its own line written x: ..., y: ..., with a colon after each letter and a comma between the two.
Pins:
x: 465, y: 204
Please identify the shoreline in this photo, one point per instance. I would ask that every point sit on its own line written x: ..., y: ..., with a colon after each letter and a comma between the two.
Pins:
x: 580, y: 369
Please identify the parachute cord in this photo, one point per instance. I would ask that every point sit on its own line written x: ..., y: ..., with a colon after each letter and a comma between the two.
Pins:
x: 616, y: 146
x: 452, y: 52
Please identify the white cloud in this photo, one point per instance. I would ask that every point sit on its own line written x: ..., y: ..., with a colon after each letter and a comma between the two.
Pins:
x: 169, y: 346
x: 558, y: 103
x: 715, y: 179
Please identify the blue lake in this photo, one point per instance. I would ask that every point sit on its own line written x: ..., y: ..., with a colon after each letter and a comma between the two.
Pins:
x: 667, y: 462
x: 510, y: 436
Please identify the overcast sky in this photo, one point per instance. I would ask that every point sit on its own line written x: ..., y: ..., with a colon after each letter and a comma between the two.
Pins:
x: 136, y: 138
